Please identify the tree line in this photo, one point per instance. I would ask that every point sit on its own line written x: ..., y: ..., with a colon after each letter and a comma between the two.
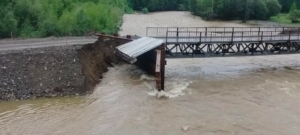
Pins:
x: 221, y: 9
x: 41, y: 18
x: 235, y: 9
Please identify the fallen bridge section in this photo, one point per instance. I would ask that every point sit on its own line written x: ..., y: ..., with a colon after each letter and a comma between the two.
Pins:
x: 147, y: 53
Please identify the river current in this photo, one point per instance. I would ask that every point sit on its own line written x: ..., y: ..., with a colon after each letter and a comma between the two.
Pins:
x: 257, y: 95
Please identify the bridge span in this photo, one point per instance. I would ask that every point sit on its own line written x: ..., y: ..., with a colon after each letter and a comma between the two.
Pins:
x: 227, y: 41
x: 150, y: 52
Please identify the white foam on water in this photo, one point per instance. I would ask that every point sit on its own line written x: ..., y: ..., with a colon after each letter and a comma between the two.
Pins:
x: 147, y: 77
x: 163, y: 94
x: 176, y: 89
x: 159, y: 94
x: 153, y: 93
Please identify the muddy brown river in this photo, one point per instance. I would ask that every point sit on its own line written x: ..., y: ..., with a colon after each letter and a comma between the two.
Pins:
x: 210, y: 96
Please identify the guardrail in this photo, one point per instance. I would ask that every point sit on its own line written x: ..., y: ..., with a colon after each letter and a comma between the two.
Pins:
x: 225, y: 37
x: 161, y: 31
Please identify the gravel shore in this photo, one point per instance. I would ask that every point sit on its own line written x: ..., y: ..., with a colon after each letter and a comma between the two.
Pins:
x: 40, y: 72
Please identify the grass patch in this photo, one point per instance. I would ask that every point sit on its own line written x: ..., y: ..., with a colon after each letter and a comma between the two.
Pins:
x: 282, y: 18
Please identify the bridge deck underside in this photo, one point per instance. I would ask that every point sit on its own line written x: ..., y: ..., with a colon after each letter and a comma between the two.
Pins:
x: 232, y: 49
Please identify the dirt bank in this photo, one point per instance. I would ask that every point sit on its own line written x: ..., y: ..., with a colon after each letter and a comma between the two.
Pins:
x: 96, y: 58
x: 54, y: 71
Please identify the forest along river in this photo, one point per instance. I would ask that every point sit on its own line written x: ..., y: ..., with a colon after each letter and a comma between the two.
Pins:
x: 211, y: 96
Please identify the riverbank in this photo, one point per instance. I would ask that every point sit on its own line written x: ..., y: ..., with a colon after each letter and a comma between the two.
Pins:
x: 284, y: 19
x: 40, y: 72
x: 136, y: 24
x: 65, y: 70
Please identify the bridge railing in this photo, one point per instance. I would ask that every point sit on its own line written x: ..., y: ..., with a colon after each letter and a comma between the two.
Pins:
x: 161, y: 31
x: 225, y: 37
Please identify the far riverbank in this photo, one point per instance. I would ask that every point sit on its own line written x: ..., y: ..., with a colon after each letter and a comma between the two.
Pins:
x: 136, y: 24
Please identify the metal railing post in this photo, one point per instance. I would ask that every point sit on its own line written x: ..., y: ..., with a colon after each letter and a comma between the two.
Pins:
x: 298, y: 33
x: 200, y: 37
x: 177, y: 35
x: 205, y: 31
x: 272, y: 35
x: 189, y: 36
x: 290, y: 35
x: 210, y: 37
x: 168, y: 29
x: 262, y: 36
x: 232, y: 33
x: 242, y: 36
x: 167, y: 34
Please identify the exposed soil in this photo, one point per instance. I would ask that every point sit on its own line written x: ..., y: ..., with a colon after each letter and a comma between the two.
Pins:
x: 96, y: 58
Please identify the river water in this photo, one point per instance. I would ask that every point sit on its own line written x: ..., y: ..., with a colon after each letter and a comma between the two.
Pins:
x: 211, y: 96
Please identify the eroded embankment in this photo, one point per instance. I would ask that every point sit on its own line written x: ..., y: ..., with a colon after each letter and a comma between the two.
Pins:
x: 96, y: 58
x: 54, y: 71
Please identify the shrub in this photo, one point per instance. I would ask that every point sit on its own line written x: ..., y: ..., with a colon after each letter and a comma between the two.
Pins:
x: 145, y: 10
x: 294, y: 16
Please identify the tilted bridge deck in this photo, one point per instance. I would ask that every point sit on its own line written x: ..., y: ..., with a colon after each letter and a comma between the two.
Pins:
x: 227, y: 41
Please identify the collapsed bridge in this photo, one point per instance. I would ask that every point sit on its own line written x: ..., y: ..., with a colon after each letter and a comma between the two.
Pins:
x: 187, y: 42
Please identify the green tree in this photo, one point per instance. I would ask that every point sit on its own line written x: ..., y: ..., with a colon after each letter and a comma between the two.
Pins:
x: 27, y: 30
x: 293, y: 7
x: 286, y: 5
x: 297, y: 3
x: 294, y: 16
x: 42, y: 18
x: 8, y: 22
x: 274, y: 7
x: 260, y: 10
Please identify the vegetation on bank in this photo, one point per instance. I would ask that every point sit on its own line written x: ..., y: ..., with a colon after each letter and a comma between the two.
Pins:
x: 41, y: 18
x: 293, y: 16
x: 281, y: 18
x: 235, y: 9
